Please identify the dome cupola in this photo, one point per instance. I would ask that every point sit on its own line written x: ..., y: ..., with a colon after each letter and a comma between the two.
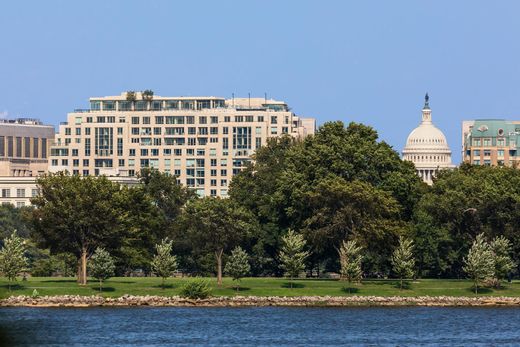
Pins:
x: 426, y: 146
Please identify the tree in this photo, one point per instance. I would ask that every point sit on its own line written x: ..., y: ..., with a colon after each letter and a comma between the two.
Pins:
x: 147, y: 94
x: 292, y: 256
x: 479, y: 265
x: 216, y: 225
x: 237, y: 265
x: 101, y: 266
x: 350, y: 261
x: 402, y: 260
x: 164, y: 262
x: 12, y: 258
x: 77, y: 214
x: 130, y: 95
x: 501, y: 248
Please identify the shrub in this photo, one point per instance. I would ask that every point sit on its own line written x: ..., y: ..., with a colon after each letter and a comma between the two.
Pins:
x: 196, y: 288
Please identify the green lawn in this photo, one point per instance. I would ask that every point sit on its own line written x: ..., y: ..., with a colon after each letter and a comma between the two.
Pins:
x: 252, y: 286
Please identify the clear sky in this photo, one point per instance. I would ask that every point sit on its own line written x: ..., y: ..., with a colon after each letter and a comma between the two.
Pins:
x: 363, y: 61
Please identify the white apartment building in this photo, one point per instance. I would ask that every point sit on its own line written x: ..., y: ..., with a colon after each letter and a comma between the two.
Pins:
x: 203, y: 141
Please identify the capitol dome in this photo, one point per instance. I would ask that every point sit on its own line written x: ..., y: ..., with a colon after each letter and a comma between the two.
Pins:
x: 427, y: 148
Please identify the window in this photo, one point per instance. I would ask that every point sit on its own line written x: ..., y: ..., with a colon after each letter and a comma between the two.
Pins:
x: 213, y: 183
x: 274, y: 130
x: 500, y: 153
x: 146, y: 120
x: 85, y: 162
x: 6, y: 193
x: 75, y: 162
x: 213, y: 120
x: 213, y: 162
x: 87, y: 131
x: 125, y: 105
x: 34, y: 192
x: 213, y: 130
x: 476, y: 153
x: 487, y: 153
x: 74, y: 152
x: 241, y: 137
x: 159, y: 120
x: 135, y: 120
x: 20, y: 193
x: 239, y: 119
x: 119, y: 131
x: 249, y: 119
x: 203, y: 120
x: 131, y: 152
x: 500, y: 142
x: 104, y: 141
x: 67, y: 131
x: 177, y: 162
x: 157, y: 131
x: 476, y: 142
x: 260, y: 118
x: 141, y: 105
x: 274, y: 120
x: 487, y: 142
x: 227, y: 119
x: 223, y: 172
x: 78, y: 131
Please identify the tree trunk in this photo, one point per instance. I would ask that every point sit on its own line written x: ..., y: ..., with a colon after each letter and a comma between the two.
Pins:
x: 218, y: 255
x: 82, y: 279
x: 100, y: 284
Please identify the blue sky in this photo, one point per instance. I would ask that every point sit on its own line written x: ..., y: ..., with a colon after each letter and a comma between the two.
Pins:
x: 363, y: 61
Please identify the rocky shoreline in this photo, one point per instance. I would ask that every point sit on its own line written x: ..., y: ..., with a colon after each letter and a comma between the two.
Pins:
x: 254, y: 301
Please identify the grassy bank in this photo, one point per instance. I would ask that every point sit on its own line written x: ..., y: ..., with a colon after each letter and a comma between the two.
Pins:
x: 253, y: 286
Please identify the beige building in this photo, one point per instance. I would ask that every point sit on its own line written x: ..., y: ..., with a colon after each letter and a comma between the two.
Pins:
x: 203, y: 141
x: 491, y: 142
x: 24, y: 147
x: 18, y: 190
x: 427, y: 147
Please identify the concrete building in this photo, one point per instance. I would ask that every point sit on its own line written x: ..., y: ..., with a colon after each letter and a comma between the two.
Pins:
x: 203, y: 141
x: 18, y: 190
x: 427, y: 148
x: 24, y: 147
x: 494, y: 142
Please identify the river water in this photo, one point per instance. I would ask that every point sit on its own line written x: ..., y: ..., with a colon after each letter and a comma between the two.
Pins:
x: 267, y: 326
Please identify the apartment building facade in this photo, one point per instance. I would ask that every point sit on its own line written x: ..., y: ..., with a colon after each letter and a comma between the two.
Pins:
x: 203, y: 141
x: 493, y: 142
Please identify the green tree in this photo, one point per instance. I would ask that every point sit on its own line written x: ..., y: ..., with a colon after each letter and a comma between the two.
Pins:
x: 403, y: 261
x: 501, y: 248
x: 461, y: 204
x: 479, y: 265
x: 101, y: 266
x: 214, y: 225
x: 280, y: 187
x: 164, y: 262
x: 77, y: 214
x: 350, y: 261
x: 292, y: 255
x: 12, y: 257
x: 237, y: 265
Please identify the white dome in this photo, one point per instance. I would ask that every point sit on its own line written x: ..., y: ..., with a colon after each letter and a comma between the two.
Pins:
x: 427, y: 148
x: 427, y: 136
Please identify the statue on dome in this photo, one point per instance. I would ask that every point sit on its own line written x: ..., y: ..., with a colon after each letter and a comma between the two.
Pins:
x: 426, y: 101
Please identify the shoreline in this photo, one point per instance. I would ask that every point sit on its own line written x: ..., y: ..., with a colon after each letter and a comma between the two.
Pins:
x: 78, y: 301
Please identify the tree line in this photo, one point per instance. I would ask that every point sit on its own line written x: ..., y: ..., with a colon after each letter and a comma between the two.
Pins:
x: 340, y: 189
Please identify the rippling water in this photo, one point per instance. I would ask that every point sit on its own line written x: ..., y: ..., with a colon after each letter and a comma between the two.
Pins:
x: 260, y: 326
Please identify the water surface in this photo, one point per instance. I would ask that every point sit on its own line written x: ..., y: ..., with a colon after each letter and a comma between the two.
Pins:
x: 271, y: 326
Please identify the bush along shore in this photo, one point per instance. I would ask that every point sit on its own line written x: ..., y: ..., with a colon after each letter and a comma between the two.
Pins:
x: 254, y: 301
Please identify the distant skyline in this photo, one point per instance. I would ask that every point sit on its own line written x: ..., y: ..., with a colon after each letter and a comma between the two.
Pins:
x: 369, y: 62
